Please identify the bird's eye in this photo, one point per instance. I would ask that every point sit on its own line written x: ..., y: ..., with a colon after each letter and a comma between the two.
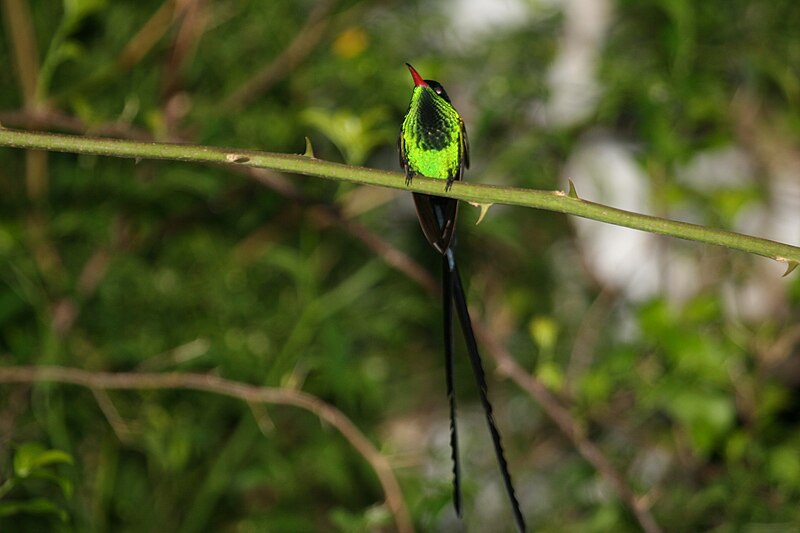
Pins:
x: 438, y: 90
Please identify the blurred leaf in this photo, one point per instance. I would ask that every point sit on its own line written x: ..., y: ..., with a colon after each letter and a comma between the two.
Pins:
x: 784, y: 466
x: 708, y: 417
x: 33, y: 506
x: 356, y: 135
x: 737, y: 445
x: 32, y: 455
x: 63, y: 482
x: 550, y: 374
x: 544, y: 332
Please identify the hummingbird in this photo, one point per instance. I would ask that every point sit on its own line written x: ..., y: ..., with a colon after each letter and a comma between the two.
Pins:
x: 433, y: 143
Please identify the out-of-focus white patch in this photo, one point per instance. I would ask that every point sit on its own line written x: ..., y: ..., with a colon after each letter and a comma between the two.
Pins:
x: 574, y: 88
x: 762, y: 293
x: 765, y: 294
x: 474, y: 19
x: 727, y: 167
x: 785, y: 206
x: 631, y: 261
x: 652, y: 465
x: 605, y: 171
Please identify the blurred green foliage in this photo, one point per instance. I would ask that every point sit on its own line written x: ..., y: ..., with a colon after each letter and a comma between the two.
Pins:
x: 117, y: 265
x: 34, y: 463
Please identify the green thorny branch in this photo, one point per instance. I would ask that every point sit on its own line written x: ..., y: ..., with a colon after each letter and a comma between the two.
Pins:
x: 485, y: 195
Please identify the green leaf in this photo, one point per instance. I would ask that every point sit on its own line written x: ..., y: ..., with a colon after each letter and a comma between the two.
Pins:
x: 551, y: 375
x: 32, y: 455
x: 707, y: 416
x: 784, y: 465
x: 356, y: 135
x: 33, y: 506
x: 544, y: 332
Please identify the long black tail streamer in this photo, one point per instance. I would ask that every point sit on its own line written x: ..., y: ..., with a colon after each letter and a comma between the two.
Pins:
x: 447, y: 305
x: 480, y: 377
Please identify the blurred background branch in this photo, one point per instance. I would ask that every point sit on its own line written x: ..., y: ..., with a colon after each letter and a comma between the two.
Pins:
x: 100, y: 382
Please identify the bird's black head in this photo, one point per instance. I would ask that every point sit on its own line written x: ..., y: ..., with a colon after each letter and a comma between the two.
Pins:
x: 438, y: 89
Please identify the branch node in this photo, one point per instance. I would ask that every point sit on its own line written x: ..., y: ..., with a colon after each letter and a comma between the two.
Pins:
x: 236, y: 158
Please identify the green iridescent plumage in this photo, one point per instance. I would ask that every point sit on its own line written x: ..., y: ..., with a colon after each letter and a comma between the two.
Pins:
x: 433, y: 143
x: 433, y: 140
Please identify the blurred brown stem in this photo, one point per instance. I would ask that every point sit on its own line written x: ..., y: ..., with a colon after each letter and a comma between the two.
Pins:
x: 101, y: 381
x: 291, y: 56
x: 22, y: 40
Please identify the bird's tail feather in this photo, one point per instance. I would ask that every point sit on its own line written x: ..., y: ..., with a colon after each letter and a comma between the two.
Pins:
x: 447, y: 304
x: 453, y: 279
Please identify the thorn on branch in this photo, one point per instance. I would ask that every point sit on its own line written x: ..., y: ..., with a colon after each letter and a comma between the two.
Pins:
x: 572, y: 192
x: 484, y: 209
x: 790, y: 265
x: 309, y: 149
